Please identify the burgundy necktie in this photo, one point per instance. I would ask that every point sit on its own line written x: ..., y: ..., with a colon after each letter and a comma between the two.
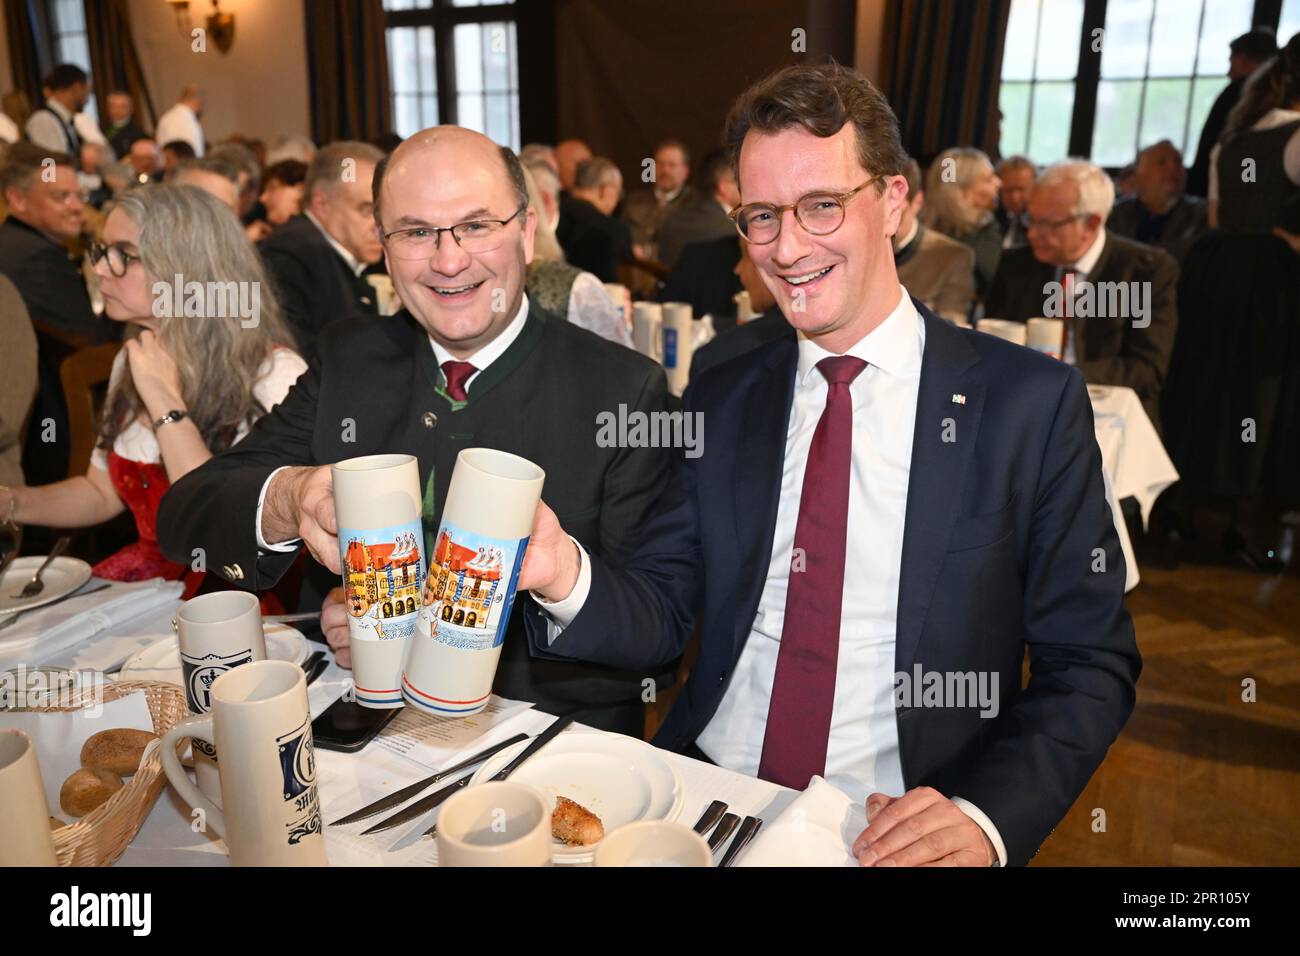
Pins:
x: 803, y: 691
x: 458, y: 374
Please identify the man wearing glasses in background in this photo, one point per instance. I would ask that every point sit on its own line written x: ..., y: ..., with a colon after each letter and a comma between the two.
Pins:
x: 881, y: 493
x: 470, y: 362
x: 1070, y: 247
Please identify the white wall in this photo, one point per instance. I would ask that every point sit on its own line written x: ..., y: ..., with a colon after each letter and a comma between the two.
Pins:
x: 258, y: 89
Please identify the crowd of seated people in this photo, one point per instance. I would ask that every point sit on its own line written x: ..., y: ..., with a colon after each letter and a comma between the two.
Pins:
x: 978, y: 236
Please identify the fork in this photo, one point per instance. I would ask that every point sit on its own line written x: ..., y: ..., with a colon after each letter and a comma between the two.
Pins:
x: 35, y: 586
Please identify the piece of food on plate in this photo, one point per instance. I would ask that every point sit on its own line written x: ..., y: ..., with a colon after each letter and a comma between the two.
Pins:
x: 87, y: 789
x: 575, y: 825
x: 119, y: 750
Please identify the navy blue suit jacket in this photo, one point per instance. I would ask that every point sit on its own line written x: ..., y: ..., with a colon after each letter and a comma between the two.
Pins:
x: 1009, y: 544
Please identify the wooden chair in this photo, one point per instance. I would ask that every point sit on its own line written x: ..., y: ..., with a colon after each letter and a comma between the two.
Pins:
x: 85, y: 375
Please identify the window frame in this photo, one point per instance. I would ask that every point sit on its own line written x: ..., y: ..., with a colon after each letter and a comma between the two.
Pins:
x: 443, y: 17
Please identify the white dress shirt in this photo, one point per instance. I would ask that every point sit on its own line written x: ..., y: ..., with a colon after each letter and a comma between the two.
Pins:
x: 179, y: 122
x: 862, y: 754
x: 51, y: 131
x: 1082, y: 267
x: 481, y: 360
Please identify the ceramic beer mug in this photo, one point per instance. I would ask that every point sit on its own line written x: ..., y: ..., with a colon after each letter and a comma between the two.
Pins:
x: 381, y: 546
x: 473, y: 572
x: 260, y: 724
x: 25, y: 838
x: 215, y: 632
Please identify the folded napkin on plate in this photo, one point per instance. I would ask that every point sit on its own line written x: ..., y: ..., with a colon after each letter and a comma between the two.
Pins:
x: 817, y: 829
x: 45, y: 632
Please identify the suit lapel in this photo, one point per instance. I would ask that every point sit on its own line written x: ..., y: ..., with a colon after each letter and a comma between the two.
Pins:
x: 763, y: 403
x: 948, y: 410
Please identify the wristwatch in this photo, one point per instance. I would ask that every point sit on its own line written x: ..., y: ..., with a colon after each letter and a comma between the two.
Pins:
x: 175, y: 415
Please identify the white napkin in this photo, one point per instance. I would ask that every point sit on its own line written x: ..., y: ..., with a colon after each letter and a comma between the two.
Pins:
x: 46, y: 632
x: 817, y: 829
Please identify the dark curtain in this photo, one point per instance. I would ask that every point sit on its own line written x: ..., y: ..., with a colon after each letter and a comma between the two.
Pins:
x: 114, y: 63
x: 347, y: 70
x: 635, y: 72
x: 22, y: 50
x: 942, y: 66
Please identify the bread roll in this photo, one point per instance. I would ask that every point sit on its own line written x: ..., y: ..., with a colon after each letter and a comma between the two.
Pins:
x: 87, y: 789
x: 574, y: 824
x: 116, y: 750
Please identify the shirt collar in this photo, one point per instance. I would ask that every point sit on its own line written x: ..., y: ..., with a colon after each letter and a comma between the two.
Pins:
x: 1088, y: 261
x: 894, y: 346
x: 59, y: 110
x: 665, y: 198
x: 494, y: 349
x: 356, y: 267
x: 911, y: 234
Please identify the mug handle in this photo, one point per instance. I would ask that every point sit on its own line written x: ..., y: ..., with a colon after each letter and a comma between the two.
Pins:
x: 201, y: 728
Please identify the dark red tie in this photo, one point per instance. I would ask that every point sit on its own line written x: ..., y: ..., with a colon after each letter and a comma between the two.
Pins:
x: 803, y: 691
x: 458, y: 374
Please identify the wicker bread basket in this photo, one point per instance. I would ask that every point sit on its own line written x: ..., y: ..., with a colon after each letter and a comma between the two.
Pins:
x: 99, y: 838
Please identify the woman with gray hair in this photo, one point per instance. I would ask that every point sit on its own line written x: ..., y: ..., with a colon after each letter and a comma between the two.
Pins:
x: 961, y: 192
x: 206, y: 354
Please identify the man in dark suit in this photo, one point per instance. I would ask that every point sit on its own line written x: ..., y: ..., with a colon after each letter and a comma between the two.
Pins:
x: 471, y: 362
x: 45, y: 211
x: 1118, y: 296
x: 1245, y: 54
x: 317, y: 259
x: 1160, y: 213
x: 705, y: 276
x: 645, y: 208
x: 591, y: 237
x: 119, y: 126
x: 884, y: 496
x: 703, y: 216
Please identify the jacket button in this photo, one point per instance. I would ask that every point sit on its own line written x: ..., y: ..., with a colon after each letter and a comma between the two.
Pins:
x: 722, y: 678
x: 430, y: 420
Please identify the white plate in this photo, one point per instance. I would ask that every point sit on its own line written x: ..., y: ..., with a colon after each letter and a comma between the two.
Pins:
x: 161, y: 661
x: 62, y: 577
x: 617, y: 778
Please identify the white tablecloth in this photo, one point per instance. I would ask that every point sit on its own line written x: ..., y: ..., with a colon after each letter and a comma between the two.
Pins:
x: 348, y: 781
x: 1134, y: 460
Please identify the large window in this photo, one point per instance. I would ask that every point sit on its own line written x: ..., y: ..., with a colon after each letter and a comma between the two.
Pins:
x: 454, y: 61
x: 1102, y: 78
x: 1163, y: 63
x: 65, y: 33
x: 1039, y: 64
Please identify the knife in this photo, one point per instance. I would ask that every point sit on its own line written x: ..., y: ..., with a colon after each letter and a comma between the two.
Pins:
x: 424, y: 805
x: 747, y: 831
x: 406, y: 793
x: 540, y: 741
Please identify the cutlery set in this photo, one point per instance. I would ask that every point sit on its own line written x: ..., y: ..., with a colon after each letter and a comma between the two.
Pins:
x: 716, y: 825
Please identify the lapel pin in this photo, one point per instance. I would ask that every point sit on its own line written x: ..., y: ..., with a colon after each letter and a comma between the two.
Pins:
x: 958, y: 399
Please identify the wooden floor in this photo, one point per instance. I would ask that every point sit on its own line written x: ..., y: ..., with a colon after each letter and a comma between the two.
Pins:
x: 1199, y: 776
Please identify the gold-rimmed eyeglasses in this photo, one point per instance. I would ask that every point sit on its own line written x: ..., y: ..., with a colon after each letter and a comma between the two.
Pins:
x: 473, y: 235
x: 819, y: 213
